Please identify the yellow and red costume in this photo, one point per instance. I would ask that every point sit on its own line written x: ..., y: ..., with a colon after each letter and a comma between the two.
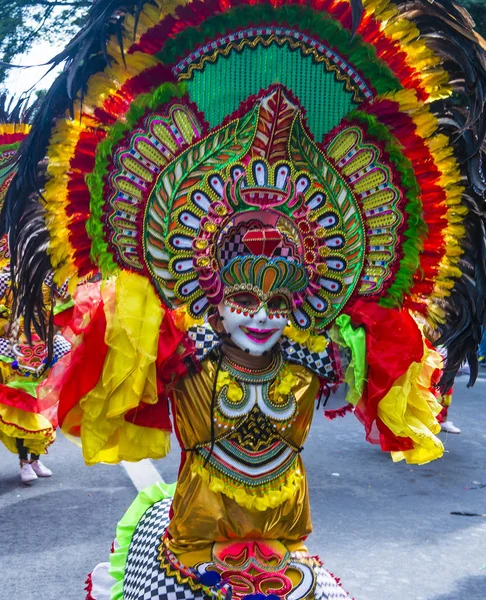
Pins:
x: 23, y: 365
x: 290, y: 163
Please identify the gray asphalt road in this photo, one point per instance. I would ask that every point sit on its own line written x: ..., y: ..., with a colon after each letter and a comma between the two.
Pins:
x: 385, y: 529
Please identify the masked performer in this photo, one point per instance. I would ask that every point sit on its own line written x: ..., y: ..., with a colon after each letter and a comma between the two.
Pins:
x: 27, y: 423
x: 252, y: 178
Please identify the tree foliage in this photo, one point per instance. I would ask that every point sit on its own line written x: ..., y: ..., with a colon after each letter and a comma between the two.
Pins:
x: 477, y: 9
x: 24, y: 22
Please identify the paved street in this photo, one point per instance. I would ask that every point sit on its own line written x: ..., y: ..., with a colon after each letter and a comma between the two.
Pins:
x: 385, y: 529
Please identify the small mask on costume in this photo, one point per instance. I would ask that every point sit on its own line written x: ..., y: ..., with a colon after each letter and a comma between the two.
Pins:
x: 254, y: 325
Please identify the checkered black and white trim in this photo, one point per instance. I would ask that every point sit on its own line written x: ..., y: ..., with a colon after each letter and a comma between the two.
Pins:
x: 60, y: 346
x: 232, y: 247
x: 144, y: 578
x: 235, y: 247
x: 60, y: 292
x: 283, y: 251
x: 327, y: 587
x: 205, y: 340
x: 6, y: 348
x: 4, y: 283
x: 320, y: 363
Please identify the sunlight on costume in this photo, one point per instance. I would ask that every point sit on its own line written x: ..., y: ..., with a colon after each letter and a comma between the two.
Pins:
x: 269, y: 190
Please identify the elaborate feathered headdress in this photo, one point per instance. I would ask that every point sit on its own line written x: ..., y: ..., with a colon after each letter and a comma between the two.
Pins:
x: 24, y: 360
x: 330, y: 147
x: 14, y: 127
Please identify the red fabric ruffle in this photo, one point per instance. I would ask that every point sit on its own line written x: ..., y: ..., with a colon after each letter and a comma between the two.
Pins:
x: 393, y: 343
x: 63, y: 318
x: 338, y: 412
x: 174, y: 347
x: 155, y: 416
x: 442, y: 416
x: 22, y: 400
x: 79, y: 371
x: 86, y: 364
x: 18, y: 398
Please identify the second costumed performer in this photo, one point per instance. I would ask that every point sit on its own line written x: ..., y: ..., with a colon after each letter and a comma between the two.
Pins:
x: 252, y: 180
x: 27, y: 423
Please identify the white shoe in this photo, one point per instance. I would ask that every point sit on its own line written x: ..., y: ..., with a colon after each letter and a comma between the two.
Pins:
x: 464, y: 369
x: 40, y: 469
x: 27, y: 473
x: 449, y: 427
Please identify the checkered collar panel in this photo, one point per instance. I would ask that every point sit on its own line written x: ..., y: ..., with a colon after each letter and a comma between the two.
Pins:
x: 322, y: 363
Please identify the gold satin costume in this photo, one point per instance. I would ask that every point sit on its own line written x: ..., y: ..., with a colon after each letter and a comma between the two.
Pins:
x: 207, y: 507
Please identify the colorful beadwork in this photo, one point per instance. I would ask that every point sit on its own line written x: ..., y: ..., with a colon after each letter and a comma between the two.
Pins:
x: 262, y: 567
x: 307, y: 204
x: 110, y: 163
x: 380, y: 200
x: 250, y: 446
x: 158, y: 139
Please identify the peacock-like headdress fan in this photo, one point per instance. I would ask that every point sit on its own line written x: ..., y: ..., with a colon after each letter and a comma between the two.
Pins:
x: 330, y: 150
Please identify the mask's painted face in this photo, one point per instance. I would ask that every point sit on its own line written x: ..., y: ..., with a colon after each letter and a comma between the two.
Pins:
x: 254, y: 326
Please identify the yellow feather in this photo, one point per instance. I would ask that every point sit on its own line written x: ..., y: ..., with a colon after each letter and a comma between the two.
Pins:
x: 9, y: 128
x: 420, y: 57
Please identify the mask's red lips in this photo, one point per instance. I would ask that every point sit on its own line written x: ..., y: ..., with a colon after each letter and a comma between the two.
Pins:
x: 259, y: 336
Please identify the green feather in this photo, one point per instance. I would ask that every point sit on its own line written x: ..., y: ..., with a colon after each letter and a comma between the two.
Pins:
x: 315, y: 23
x: 100, y: 252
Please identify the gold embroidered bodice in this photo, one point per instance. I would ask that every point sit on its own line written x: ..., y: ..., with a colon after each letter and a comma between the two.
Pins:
x: 251, y: 482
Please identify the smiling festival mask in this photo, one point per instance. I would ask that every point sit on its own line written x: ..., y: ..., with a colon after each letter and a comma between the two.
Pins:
x: 253, y: 324
x: 258, y: 292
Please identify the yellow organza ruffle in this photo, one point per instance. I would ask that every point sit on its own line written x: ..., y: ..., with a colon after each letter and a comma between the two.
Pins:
x: 6, y: 372
x: 269, y: 498
x: 446, y: 400
x: 36, y: 431
x: 183, y: 320
x: 132, y: 443
x: 409, y: 410
x: 134, y: 315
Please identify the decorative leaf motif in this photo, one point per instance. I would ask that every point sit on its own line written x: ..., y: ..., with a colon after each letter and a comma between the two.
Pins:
x: 373, y: 183
x: 307, y: 156
x: 274, y: 125
x: 217, y: 150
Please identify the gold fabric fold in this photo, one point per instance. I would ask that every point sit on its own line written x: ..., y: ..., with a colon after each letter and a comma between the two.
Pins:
x: 203, y: 515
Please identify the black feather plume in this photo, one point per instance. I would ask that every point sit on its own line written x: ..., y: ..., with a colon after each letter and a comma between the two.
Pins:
x: 22, y: 213
x: 447, y: 28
